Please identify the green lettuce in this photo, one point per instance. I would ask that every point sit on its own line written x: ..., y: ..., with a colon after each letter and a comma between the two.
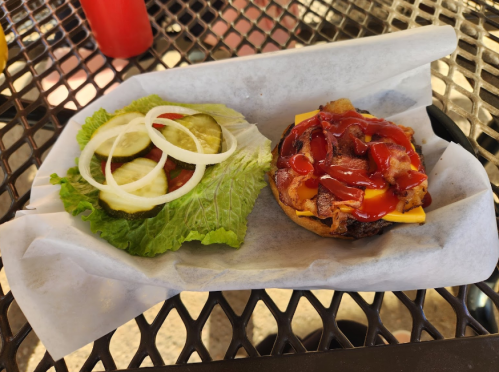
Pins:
x: 215, y: 211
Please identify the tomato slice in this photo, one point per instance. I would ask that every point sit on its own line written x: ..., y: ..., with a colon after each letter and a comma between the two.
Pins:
x: 180, y: 180
x: 170, y: 116
x: 155, y: 155
x: 114, y: 166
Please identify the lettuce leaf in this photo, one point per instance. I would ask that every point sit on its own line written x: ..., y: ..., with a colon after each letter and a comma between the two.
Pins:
x: 215, y: 211
x: 91, y: 124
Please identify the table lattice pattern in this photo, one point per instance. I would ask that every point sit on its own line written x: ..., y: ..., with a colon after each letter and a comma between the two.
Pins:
x: 55, y: 68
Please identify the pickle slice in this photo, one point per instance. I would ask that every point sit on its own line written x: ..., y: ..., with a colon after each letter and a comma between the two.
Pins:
x: 206, y: 130
x: 116, y: 206
x: 132, y: 145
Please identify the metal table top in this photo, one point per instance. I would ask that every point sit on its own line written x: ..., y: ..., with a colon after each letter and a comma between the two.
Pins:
x: 55, y: 68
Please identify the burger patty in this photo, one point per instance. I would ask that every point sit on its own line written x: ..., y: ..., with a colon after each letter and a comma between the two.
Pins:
x: 357, y: 229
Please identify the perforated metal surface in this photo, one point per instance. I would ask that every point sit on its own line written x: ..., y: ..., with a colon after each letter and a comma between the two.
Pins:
x: 54, y: 65
x: 285, y: 342
x: 55, y: 68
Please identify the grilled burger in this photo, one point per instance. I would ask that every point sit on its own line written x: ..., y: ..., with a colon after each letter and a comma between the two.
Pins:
x: 342, y: 173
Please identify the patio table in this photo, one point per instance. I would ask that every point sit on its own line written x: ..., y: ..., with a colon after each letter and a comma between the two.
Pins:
x: 55, y: 68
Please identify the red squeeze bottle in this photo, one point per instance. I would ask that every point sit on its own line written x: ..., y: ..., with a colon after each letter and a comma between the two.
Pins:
x: 120, y: 27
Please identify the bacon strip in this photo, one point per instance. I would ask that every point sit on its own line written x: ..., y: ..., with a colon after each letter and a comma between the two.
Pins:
x: 305, y: 147
x: 283, y: 179
x: 288, y: 183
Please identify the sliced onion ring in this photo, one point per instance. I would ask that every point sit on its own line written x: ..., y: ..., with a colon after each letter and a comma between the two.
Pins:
x: 189, y: 185
x: 148, y: 178
x: 179, y: 153
x: 93, y: 144
x: 176, y: 110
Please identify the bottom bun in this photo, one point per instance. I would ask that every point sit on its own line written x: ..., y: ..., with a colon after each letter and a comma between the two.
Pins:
x: 310, y: 223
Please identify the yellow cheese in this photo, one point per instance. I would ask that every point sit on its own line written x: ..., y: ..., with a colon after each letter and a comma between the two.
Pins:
x: 304, y: 213
x: 371, y: 193
x: 416, y: 215
x: 345, y: 208
x: 299, y: 118
x: 305, y: 192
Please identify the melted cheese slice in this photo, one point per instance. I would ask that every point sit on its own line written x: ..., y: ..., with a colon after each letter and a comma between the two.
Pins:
x: 416, y: 215
x: 299, y: 118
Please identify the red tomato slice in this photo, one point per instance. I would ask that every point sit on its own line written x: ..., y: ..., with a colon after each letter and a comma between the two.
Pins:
x: 170, y: 116
x: 155, y: 155
x: 114, y: 166
x: 169, y: 165
x: 177, y: 182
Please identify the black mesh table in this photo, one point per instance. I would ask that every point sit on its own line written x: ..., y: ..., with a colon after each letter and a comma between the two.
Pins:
x: 55, y: 68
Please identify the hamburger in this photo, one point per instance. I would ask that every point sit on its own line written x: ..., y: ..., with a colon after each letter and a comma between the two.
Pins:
x: 340, y: 172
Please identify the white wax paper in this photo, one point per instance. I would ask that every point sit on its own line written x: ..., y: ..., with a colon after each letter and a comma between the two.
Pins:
x: 74, y: 287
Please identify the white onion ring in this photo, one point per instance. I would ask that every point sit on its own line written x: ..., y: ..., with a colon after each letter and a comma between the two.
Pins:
x: 179, y: 153
x: 189, y: 185
x: 93, y: 144
x: 148, y: 178
x: 176, y: 110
